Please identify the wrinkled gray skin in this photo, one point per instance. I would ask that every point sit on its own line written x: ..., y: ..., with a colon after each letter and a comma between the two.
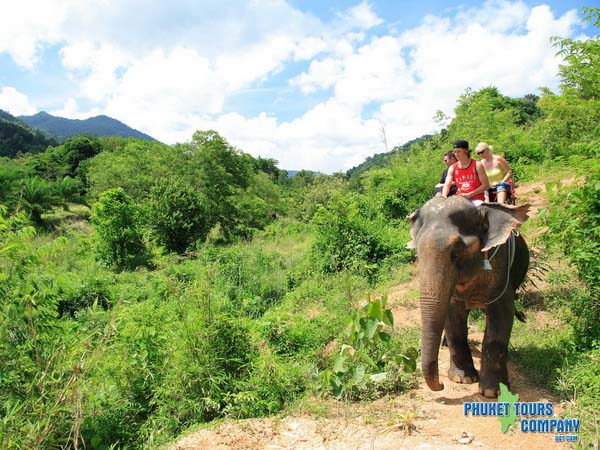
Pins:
x: 450, y: 236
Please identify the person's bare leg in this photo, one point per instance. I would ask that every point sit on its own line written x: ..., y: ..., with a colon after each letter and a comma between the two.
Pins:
x: 501, y: 197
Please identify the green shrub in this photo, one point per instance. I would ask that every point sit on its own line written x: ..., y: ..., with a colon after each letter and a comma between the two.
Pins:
x: 230, y: 345
x: 275, y: 382
x: 178, y: 215
x: 348, y: 239
x: 252, y: 280
x: 207, y: 363
x: 37, y: 196
x: 580, y: 382
x: 575, y: 226
x: 118, y: 234
x: 296, y: 334
x: 369, y: 362
x: 76, y: 294
x: 120, y: 392
x: 39, y: 353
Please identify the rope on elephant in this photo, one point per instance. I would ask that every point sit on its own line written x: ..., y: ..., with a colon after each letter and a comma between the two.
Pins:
x: 511, y: 257
x: 494, y: 253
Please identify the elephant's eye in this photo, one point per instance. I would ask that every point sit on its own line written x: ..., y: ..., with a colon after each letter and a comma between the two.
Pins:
x: 454, y: 254
x: 457, y: 248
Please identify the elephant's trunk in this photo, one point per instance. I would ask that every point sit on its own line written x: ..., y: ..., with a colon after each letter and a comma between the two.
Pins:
x: 430, y: 343
x: 435, y: 296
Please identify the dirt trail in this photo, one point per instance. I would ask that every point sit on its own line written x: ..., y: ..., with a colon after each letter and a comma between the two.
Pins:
x: 436, y: 419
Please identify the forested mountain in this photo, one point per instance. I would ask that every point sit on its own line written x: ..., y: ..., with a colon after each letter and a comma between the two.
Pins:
x: 381, y: 159
x: 62, y: 129
x: 17, y: 137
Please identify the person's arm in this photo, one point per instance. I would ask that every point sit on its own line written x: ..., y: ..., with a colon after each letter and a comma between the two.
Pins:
x: 485, y: 183
x: 443, y: 176
x: 506, y: 168
x: 448, y: 182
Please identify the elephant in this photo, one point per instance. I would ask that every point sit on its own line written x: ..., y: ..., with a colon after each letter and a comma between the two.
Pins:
x: 450, y: 235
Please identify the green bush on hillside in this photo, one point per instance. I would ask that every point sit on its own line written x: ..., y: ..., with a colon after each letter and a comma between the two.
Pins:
x: 178, y: 215
x: 347, y: 239
x: 252, y: 281
x: 580, y: 381
x: 39, y: 354
x: 118, y: 234
x: 575, y: 226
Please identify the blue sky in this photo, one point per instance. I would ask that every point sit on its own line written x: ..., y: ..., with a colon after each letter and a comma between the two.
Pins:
x: 311, y: 84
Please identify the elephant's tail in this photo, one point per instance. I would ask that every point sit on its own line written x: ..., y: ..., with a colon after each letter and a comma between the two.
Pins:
x: 521, y: 316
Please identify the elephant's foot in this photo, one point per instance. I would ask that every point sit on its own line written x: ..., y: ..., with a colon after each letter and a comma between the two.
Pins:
x: 466, y: 376
x: 490, y: 389
x: 489, y: 392
x: 493, y: 368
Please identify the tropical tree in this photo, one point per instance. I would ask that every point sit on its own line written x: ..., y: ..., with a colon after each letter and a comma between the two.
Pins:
x: 581, y: 72
x: 37, y: 196
x: 178, y: 214
x: 222, y: 173
x: 118, y: 235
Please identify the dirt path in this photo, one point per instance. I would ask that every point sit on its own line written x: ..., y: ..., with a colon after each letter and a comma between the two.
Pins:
x: 419, y: 419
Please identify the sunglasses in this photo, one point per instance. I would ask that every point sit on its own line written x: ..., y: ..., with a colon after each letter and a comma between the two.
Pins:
x: 481, y: 152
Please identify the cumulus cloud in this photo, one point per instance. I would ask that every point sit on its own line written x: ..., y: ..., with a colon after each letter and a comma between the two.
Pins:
x: 15, y: 102
x: 161, y: 92
x: 27, y: 26
x: 409, y: 77
x: 170, y: 69
x: 360, y: 16
x: 71, y: 110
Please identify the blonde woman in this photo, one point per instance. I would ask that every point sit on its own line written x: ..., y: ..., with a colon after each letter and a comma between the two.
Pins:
x: 497, y: 170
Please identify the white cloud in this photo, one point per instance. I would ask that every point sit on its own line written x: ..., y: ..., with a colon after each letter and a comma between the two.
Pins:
x: 72, y: 110
x: 28, y: 25
x: 170, y: 69
x: 410, y: 77
x: 361, y: 16
x: 329, y: 137
x: 99, y: 63
x: 161, y: 92
x: 321, y: 74
x: 499, y: 16
x: 309, y: 47
x: 252, y: 64
x: 15, y: 102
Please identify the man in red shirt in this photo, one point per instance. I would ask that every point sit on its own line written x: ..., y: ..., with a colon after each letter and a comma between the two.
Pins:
x: 470, y: 178
x: 468, y: 175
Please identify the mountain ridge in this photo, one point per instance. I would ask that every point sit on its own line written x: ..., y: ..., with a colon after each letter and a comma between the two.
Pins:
x: 17, y: 137
x: 62, y: 128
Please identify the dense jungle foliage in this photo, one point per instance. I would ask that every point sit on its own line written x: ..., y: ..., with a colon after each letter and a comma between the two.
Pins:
x: 146, y: 288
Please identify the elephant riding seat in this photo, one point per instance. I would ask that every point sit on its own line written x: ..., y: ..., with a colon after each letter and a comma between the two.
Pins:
x: 450, y: 235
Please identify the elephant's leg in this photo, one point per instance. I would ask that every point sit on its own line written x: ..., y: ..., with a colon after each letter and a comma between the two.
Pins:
x: 461, y: 368
x: 494, y: 352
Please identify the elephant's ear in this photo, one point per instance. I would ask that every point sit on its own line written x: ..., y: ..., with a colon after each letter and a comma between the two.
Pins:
x: 499, y: 221
x: 416, y: 224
